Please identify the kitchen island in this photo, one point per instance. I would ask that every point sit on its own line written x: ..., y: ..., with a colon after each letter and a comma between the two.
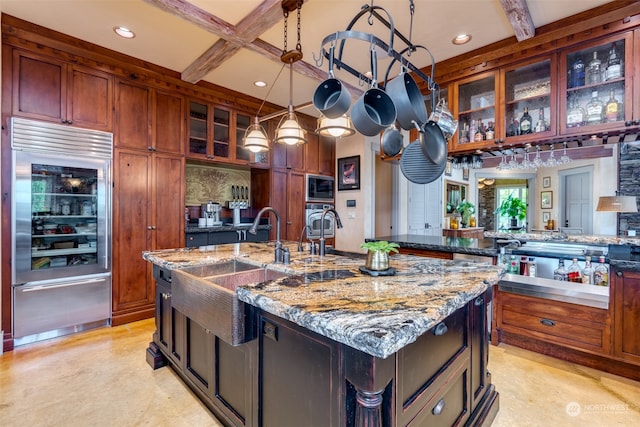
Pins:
x: 324, y: 344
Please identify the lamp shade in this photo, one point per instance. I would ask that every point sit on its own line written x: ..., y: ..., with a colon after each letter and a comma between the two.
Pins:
x: 289, y: 130
x: 255, y: 138
x: 340, y: 126
x: 617, y: 204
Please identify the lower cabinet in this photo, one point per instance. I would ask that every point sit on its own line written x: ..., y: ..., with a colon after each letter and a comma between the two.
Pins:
x: 625, y: 289
x: 290, y: 376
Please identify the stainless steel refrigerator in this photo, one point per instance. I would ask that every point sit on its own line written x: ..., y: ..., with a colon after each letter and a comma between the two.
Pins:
x: 61, y: 229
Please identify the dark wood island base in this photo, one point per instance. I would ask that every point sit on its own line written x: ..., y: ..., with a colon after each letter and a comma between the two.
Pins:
x: 289, y: 376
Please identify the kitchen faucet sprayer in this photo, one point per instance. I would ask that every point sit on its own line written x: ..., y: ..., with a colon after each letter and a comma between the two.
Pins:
x: 338, y: 224
x: 306, y: 227
x: 279, y: 255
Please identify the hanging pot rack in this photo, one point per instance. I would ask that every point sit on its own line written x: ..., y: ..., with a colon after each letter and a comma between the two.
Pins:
x: 340, y: 38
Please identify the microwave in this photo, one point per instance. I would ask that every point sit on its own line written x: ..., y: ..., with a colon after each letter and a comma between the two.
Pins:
x: 319, y: 188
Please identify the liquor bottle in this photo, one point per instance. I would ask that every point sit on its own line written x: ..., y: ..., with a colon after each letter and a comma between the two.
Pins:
x: 576, y: 114
x: 587, y: 272
x: 479, y: 135
x: 574, y: 272
x: 560, y: 273
x: 613, y: 109
x: 491, y: 132
x: 541, y: 125
x: 514, y: 127
x: 532, y: 267
x: 614, y: 65
x: 525, y: 122
x: 601, y: 273
x: 577, y: 73
x: 594, y: 71
x: 524, y: 266
x: 473, y: 128
x: 595, y: 109
x: 513, y: 265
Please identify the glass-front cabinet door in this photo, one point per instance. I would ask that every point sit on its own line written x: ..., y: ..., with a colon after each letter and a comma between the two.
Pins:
x: 529, y: 106
x: 478, y: 117
x: 597, y: 83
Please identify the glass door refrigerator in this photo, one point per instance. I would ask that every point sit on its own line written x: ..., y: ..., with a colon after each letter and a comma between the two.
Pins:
x: 61, y: 229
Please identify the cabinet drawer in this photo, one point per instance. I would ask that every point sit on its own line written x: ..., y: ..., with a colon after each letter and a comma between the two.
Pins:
x: 444, y: 344
x: 197, y: 239
x: 561, y: 330
x: 449, y: 407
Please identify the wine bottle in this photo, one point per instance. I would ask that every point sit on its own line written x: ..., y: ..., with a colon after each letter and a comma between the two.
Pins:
x: 525, y: 122
x: 594, y: 71
x: 577, y: 73
x: 613, y: 109
x: 614, y: 65
x: 595, y: 109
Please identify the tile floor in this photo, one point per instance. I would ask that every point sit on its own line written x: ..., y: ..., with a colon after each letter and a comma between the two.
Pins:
x: 100, y: 378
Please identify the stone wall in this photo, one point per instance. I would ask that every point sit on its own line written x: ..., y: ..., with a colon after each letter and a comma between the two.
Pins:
x: 629, y: 183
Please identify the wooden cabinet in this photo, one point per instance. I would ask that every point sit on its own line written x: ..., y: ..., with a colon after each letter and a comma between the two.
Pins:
x: 147, y: 119
x: 49, y: 89
x: 148, y: 215
x: 589, y: 85
x: 625, y: 290
x: 287, y: 197
x: 570, y: 325
x: 319, y: 155
x: 215, y: 134
x: 170, y: 323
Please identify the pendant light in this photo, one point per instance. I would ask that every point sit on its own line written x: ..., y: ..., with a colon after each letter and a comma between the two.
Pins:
x: 338, y: 127
x: 289, y: 130
x: 255, y: 138
x: 617, y: 203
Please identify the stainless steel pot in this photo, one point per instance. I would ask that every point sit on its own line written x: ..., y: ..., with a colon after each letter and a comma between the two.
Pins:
x: 331, y: 97
x: 408, y: 100
x: 374, y: 110
x: 391, y: 141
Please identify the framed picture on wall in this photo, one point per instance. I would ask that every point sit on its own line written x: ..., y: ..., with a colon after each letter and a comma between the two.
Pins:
x: 546, y: 200
x: 465, y: 174
x: 447, y: 168
x: 546, y: 182
x: 349, y: 173
x: 546, y: 216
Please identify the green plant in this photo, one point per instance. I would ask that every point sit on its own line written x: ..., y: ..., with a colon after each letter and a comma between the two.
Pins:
x: 466, y: 209
x: 512, y: 207
x: 380, y: 245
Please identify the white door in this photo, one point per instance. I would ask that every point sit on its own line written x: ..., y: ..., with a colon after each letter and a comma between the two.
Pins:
x: 577, y: 206
x: 425, y: 208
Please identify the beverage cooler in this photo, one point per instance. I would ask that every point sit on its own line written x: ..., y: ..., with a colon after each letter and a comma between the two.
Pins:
x: 61, y: 229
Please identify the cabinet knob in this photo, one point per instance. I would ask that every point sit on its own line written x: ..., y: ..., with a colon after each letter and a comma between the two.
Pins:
x: 619, y: 273
x: 479, y: 301
x: 437, y: 410
x: 440, y: 329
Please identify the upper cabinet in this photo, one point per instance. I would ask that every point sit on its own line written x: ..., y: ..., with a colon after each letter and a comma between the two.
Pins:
x: 215, y: 134
x: 53, y: 90
x: 596, y: 82
x: 476, y: 107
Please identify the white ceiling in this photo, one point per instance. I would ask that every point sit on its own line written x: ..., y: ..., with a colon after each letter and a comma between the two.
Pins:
x: 174, y: 43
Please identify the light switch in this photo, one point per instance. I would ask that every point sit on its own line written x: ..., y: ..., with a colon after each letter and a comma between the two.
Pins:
x: 351, y: 214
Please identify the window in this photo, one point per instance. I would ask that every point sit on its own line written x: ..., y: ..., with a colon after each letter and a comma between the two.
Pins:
x: 517, y: 190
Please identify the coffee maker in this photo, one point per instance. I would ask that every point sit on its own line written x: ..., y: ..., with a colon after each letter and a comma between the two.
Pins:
x: 211, y: 212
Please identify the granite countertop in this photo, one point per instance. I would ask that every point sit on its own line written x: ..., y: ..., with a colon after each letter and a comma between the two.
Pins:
x: 568, y: 238
x: 460, y: 245
x: 330, y: 296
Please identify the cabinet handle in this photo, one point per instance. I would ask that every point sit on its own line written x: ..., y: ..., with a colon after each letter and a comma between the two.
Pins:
x: 547, y: 322
x: 439, y: 408
x: 440, y: 329
x: 270, y: 331
x: 149, y: 227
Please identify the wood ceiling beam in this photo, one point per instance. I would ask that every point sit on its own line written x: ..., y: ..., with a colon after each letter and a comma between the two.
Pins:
x: 232, y: 38
x: 518, y: 14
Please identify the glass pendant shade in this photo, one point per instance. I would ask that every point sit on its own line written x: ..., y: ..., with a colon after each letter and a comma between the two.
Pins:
x: 340, y: 126
x: 289, y: 130
x: 617, y: 204
x: 255, y: 138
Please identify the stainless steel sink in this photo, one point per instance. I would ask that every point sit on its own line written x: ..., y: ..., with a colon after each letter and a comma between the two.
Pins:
x: 206, y: 294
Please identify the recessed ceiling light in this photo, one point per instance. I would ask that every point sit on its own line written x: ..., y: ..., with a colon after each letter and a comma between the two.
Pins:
x: 124, y: 32
x: 259, y: 83
x: 461, y: 39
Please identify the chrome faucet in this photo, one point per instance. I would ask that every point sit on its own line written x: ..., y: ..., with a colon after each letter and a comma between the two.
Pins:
x: 300, y: 239
x: 279, y: 254
x: 338, y: 224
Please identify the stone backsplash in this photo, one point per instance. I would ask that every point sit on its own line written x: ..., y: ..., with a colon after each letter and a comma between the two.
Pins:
x: 629, y: 183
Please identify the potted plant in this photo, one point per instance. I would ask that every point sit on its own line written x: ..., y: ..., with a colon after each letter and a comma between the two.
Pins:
x: 514, y: 208
x: 465, y: 209
x: 378, y: 254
